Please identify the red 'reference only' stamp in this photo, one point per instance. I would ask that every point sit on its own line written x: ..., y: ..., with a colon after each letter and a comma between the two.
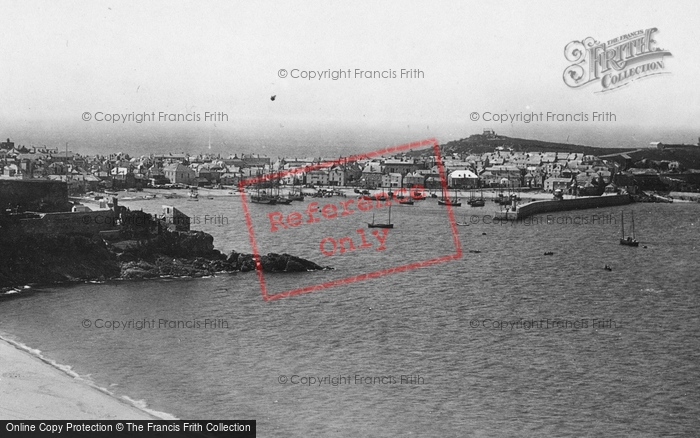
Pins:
x: 315, y: 212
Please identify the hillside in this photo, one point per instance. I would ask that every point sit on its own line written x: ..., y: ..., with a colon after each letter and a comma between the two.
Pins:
x: 479, y: 144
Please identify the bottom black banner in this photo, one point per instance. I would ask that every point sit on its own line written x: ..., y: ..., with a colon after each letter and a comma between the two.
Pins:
x: 113, y: 428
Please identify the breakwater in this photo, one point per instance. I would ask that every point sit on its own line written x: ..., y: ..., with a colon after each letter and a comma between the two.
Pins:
x: 538, y: 207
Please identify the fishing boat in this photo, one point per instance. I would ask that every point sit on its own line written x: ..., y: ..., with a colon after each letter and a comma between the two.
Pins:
x: 629, y: 240
x: 262, y: 197
x: 279, y: 199
x: 454, y: 201
x: 294, y: 195
x: 194, y: 193
x: 477, y: 202
x: 386, y: 225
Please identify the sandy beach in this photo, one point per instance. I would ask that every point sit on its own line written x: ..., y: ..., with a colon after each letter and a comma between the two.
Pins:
x: 31, y: 389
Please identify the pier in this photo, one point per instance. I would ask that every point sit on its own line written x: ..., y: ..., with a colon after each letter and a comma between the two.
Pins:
x: 537, y: 207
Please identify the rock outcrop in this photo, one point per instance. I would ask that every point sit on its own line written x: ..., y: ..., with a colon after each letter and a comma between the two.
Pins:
x: 55, y: 259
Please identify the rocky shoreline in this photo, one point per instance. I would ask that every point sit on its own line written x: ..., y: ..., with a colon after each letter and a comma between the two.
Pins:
x: 42, y: 260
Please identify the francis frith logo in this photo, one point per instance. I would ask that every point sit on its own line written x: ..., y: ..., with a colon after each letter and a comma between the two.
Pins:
x: 614, y: 63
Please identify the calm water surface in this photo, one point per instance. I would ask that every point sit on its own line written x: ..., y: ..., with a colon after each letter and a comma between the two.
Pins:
x: 620, y: 355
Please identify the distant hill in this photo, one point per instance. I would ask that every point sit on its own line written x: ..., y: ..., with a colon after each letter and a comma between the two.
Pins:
x: 479, y: 144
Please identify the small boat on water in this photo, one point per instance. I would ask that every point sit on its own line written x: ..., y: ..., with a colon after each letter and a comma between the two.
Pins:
x: 382, y: 197
x: 194, y: 193
x: 418, y: 195
x: 454, y: 202
x: 463, y: 223
x: 629, y: 240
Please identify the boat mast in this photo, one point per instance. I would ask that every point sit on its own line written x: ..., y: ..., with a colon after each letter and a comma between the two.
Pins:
x: 623, y: 224
x: 633, y: 236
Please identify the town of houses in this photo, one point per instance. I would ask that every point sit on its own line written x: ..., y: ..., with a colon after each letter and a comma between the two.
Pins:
x: 501, y: 168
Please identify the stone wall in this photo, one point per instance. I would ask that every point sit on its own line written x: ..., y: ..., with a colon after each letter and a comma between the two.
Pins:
x: 87, y: 223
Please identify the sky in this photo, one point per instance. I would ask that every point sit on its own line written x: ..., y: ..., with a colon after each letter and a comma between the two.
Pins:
x: 61, y: 60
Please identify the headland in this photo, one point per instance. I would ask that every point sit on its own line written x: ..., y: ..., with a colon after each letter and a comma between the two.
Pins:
x: 117, y: 243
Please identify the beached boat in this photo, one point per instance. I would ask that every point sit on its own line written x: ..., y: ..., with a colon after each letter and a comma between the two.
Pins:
x: 629, y: 240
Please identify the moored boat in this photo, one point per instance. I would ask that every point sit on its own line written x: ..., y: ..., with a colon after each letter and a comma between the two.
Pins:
x: 381, y: 225
x: 629, y: 240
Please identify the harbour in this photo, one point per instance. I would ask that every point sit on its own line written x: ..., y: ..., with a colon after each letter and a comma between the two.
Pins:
x: 649, y: 293
x: 350, y: 219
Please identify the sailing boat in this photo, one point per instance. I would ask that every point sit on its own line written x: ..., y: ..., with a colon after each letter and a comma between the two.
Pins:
x: 294, y: 196
x: 263, y: 198
x: 454, y: 201
x: 404, y: 200
x: 477, y: 202
x: 386, y: 225
x: 629, y: 240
